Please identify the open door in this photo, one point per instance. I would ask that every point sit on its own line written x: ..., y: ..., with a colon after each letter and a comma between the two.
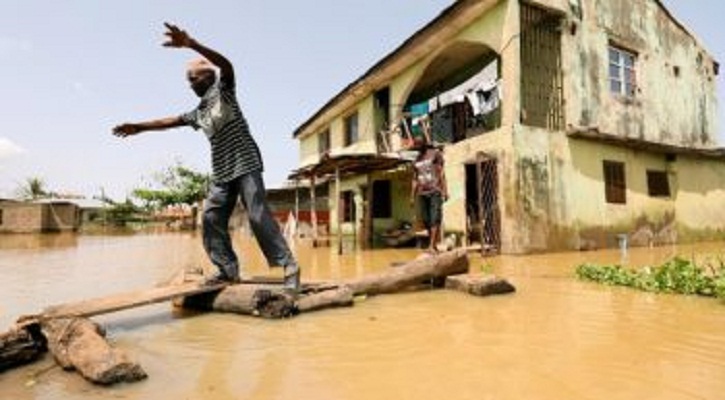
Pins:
x: 483, y: 218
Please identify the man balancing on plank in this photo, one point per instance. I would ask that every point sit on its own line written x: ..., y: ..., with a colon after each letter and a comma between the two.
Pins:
x: 236, y: 163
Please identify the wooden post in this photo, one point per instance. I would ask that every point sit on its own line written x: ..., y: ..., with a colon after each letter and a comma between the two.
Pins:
x: 313, y: 209
x: 479, y: 199
x: 369, y: 195
x: 355, y: 219
x: 338, y: 195
x: 297, y: 208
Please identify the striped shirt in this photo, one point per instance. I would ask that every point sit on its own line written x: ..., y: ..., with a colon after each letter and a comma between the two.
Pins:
x: 233, y: 150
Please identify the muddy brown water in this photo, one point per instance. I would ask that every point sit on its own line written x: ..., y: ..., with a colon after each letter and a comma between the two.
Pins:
x: 556, y: 338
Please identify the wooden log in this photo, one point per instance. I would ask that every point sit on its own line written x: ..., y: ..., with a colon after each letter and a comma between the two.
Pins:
x: 79, y: 344
x: 21, y: 345
x: 338, y: 297
x: 479, y: 285
x: 270, y: 301
x: 418, y: 271
x: 267, y: 301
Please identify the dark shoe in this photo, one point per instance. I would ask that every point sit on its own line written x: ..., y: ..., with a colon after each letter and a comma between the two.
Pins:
x: 292, y: 277
x: 219, y: 279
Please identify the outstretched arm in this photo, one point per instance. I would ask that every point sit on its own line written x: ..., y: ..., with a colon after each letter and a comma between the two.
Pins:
x: 179, y: 38
x: 129, y: 129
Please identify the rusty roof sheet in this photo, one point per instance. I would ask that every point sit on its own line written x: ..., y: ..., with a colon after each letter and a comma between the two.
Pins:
x: 349, y: 164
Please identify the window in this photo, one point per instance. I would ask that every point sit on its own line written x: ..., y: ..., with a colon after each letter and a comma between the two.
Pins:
x: 382, y: 201
x: 622, y: 72
x: 657, y: 183
x: 542, y: 78
x: 615, y: 185
x: 351, y: 131
x: 323, y: 142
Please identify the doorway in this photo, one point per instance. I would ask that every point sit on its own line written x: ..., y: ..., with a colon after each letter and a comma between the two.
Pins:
x: 483, y: 217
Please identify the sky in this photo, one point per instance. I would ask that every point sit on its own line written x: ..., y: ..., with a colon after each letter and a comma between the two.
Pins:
x: 73, y: 69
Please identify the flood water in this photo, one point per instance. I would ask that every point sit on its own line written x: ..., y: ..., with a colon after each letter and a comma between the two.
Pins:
x: 556, y: 338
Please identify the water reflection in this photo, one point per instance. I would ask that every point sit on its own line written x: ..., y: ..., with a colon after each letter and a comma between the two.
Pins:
x: 556, y: 338
x: 37, y: 241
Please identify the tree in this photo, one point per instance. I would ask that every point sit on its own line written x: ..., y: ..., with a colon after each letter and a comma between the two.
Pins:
x: 120, y: 214
x: 33, y: 188
x: 179, y: 185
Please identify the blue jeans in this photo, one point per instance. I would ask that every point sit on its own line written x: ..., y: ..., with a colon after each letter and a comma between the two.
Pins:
x: 431, y: 209
x: 222, y: 198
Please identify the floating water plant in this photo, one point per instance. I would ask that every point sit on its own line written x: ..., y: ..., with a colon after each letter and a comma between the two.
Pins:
x: 677, y: 275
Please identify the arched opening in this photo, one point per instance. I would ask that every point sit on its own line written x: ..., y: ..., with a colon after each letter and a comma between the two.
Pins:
x: 457, y: 97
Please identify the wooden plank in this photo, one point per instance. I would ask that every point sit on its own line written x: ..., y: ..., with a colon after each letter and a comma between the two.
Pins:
x: 140, y: 298
x: 127, y: 300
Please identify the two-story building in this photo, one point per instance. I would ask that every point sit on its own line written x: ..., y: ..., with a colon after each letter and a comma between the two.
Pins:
x: 565, y: 124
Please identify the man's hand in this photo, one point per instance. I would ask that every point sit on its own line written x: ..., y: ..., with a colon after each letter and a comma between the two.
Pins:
x: 177, y: 37
x: 124, y: 130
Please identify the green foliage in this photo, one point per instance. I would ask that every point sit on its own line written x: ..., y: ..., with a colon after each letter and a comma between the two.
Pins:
x: 120, y: 214
x: 33, y: 188
x: 180, y: 185
x: 674, y: 276
x: 720, y: 286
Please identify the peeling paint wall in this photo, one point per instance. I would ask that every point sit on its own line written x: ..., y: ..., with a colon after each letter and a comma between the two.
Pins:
x: 561, y: 200
x: 700, y: 203
x: 557, y: 199
x: 675, y: 100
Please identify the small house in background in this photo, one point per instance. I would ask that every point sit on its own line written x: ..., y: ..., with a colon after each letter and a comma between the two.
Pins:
x: 91, y: 210
x: 46, y: 216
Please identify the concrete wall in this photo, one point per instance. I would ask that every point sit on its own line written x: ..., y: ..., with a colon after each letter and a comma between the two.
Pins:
x: 22, y: 218
x: 559, y: 198
x: 674, y: 108
x: 60, y: 217
x: 27, y: 217
x: 700, y: 201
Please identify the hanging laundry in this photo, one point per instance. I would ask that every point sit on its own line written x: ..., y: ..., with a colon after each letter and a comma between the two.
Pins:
x: 489, y: 100
x: 416, y: 110
x: 417, y: 115
x: 484, y: 100
x: 485, y: 79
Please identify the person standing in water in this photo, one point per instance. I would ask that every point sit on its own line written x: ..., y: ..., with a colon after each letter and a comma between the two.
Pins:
x: 236, y: 162
x: 430, y: 188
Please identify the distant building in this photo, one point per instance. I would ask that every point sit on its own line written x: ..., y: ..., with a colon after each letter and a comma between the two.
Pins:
x: 50, y: 216
x: 90, y: 210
